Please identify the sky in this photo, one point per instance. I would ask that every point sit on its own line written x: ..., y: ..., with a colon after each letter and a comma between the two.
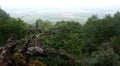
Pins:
x: 59, y: 3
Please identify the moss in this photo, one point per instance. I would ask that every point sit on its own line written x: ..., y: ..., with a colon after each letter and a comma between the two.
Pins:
x: 37, y: 63
x: 19, y: 59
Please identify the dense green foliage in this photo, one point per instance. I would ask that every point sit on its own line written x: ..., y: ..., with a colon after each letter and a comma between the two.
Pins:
x: 9, y: 25
x: 96, y: 43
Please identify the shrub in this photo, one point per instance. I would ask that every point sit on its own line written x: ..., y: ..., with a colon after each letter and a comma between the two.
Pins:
x: 36, y: 63
x: 102, y: 58
x: 19, y: 59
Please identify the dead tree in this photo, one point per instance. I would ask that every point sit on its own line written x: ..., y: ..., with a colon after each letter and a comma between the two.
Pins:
x: 8, y: 51
x: 38, y: 51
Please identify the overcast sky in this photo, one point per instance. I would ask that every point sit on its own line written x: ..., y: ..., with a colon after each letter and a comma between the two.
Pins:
x: 60, y: 3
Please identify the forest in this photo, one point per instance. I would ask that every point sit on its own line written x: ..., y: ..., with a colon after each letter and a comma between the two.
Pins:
x: 65, y: 43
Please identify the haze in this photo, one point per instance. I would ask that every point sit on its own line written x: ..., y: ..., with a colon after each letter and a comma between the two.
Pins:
x: 59, y: 9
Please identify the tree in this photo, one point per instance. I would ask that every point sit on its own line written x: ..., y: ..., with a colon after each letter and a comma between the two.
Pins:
x: 115, y: 44
x: 43, y: 25
x: 97, y: 31
x: 10, y: 25
x: 102, y: 58
x: 68, y: 37
x: 3, y: 15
